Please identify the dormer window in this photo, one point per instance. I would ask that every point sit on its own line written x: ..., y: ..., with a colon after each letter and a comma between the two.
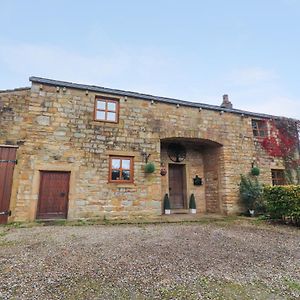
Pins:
x: 106, y: 110
x: 260, y: 128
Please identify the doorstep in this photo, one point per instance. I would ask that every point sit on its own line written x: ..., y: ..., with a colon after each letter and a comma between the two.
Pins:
x: 180, y: 211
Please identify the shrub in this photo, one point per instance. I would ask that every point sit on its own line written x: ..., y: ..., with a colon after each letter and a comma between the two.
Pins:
x: 167, y: 202
x: 192, y: 204
x: 250, y: 192
x: 149, y: 167
x: 283, y: 202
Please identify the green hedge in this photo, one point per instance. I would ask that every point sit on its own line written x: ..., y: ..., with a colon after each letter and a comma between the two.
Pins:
x: 283, y: 202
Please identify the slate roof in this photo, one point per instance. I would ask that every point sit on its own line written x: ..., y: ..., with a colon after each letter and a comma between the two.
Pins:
x: 136, y: 95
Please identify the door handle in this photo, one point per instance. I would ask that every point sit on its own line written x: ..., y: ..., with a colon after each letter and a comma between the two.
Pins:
x: 62, y: 194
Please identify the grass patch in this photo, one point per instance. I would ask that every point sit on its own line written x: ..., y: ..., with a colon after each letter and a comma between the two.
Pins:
x: 292, y: 284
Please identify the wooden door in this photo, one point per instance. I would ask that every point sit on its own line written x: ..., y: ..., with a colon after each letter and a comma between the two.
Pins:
x: 176, y: 186
x: 7, y: 164
x: 53, y: 196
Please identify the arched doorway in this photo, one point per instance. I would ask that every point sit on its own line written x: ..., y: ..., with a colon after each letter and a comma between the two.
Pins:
x: 193, y: 166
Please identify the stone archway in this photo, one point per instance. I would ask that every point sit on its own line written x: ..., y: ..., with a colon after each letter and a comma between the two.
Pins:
x: 203, y: 159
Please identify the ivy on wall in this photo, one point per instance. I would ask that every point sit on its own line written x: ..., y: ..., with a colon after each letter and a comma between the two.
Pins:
x: 283, y: 142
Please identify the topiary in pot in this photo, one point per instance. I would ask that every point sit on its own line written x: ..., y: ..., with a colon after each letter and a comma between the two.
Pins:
x: 255, y: 171
x: 149, y: 167
x: 192, y: 204
x: 167, y: 206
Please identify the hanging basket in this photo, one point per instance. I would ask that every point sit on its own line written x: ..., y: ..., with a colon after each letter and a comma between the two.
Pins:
x: 255, y: 171
x: 149, y: 167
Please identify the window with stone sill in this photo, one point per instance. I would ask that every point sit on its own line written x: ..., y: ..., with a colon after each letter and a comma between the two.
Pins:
x: 260, y: 128
x: 120, y: 169
x: 106, y: 110
x: 278, y: 177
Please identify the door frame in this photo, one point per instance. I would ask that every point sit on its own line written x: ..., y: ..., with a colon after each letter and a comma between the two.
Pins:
x: 64, y: 167
x: 68, y: 194
x: 184, y: 184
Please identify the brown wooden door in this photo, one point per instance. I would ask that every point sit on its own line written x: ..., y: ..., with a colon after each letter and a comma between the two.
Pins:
x: 7, y: 164
x: 53, y: 196
x: 176, y: 186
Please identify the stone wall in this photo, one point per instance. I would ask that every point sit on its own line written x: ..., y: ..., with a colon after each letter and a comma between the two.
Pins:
x: 55, y: 130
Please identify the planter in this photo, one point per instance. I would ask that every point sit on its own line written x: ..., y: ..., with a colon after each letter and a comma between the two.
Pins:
x: 251, y: 212
x: 167, y: 211
x: 192, y: 204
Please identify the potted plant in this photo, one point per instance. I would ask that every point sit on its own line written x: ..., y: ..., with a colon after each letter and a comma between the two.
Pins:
x: 192, y: 204
x: 167, y: 206
x: 250, y: 192
x: 149, y: 167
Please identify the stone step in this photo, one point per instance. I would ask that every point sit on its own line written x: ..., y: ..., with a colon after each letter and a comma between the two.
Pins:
x: 180, y: 211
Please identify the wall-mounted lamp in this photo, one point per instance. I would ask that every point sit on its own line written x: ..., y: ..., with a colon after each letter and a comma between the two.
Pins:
x: 145, y: 155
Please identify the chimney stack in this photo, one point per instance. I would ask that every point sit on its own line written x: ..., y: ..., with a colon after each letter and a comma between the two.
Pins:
x: 226, y: 103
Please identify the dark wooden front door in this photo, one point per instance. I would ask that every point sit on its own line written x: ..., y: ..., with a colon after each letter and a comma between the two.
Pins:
x: 7, y: 164
x: 53, y: 196
x: 176, y: 186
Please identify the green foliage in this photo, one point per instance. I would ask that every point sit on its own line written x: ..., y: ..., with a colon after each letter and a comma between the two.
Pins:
x: 250, y: 192
x: 283, y: 202
x: 192, y: 203
x: 167, y: 204
x: 255, y: 171
x: 149, y: 167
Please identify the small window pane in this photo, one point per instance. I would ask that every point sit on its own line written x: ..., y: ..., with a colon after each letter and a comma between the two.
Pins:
x: 115, y: 163
x: 125, y: 175
x: 100, y: 115
x: 115, y: 175
x: 101, y: 104
x: 111, y: 116
x: 111, y: 106
x: 125, y: 163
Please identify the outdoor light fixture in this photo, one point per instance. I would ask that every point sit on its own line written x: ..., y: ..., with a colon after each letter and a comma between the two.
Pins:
x: 145, y: 155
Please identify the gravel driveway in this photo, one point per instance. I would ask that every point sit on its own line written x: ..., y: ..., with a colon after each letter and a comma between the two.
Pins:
x: 217, y: 260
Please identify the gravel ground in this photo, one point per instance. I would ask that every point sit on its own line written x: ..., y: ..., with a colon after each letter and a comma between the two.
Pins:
x: 217, y: 260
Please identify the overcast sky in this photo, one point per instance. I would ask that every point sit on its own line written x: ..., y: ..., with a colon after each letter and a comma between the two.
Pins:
x: 191, y: 50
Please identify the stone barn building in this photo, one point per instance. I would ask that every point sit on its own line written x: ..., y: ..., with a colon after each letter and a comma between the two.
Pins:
x: 75, y: 151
